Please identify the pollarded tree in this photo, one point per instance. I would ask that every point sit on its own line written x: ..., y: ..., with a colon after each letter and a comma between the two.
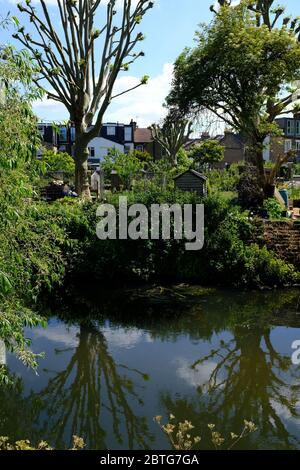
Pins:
x: 171, y: 135
x: 82, y: 61
x: 241, y: 70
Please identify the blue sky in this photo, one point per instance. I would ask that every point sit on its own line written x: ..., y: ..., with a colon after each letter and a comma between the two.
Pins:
x: 169, y: 27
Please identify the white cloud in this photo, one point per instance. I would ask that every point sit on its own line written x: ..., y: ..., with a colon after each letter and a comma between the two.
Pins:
x: 58, y: 334
x: 233, y: 4
x: 50, y: 110
x: 194, y: 377
x: 125, y: 338
x: 145, y: 104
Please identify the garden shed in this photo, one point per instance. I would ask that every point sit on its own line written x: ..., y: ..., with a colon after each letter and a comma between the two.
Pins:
x: 191, y: 181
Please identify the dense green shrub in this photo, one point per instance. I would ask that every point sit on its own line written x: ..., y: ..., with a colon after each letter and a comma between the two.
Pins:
x: 274, y: 208
x: 58, y: 162
x: 128, y: 166
x: 227, y: 249
x: 224, y: 180
x: 250, y: 194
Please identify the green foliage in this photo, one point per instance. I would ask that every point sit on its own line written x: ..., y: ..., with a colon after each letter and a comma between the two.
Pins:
x: 224, y: 180
x: 184, y: 162
x: 240, y: 70
x: 36, y: 247
x: 294, y: 193
x: 250, y: 194
x: 59, y: 162
x: 19, y: 137
x: 296, y: 169
x: 206, y: 154
x: 13, y: 318
x: 127, y: 166
x: 233, y: 45
x: 144, y: 157
x: 274, y: 208
x: 227, y: 248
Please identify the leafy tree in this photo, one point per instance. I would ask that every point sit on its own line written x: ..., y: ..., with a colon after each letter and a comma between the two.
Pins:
x: 171, y: 135
x: 19, y: 137
x: 60, y: 161
x: 207, y: 153
x: 241, y: 70
x: 143, y: 156
x: 126, y: 165
x: 81, y: 59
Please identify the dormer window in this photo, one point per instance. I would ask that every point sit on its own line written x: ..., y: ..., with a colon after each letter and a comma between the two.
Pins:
x: 111, y: 130
x: 128, y: 134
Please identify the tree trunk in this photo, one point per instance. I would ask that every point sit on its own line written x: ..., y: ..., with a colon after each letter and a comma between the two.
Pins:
x: 81, y: 154
x: 254, y: 156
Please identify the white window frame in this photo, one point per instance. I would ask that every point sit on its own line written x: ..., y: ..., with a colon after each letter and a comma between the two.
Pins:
x: 290, y: 127
x: 92, y: 150
x: 297, y: 144
x: 128, y: 134
x: 288, y: 145
x: 111, y: 130
x: 72, y: 133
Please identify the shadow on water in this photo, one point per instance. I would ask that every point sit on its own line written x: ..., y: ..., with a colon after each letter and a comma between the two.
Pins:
x: 206, y: 355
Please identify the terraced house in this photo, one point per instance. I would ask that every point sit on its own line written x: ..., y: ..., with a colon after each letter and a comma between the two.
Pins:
x: 112, y: 136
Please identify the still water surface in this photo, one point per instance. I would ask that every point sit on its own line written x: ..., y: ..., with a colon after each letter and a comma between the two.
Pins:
x: 218, y: 357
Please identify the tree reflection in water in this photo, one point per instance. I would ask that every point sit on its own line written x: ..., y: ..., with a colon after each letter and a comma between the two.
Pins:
x: 99, y: 399
x: 91, y: 394
x: 93, y: 384
x: 250, y: 380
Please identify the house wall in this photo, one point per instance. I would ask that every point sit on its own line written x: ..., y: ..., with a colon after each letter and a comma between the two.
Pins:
x: 277, y: 148
x: 102, y: 146
x: 112, y: 136
x: 154, y: 149
x: 234, y: 150
x: 290, y: 127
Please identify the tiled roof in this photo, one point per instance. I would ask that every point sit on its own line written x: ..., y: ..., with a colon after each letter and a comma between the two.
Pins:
x: 142, y: 135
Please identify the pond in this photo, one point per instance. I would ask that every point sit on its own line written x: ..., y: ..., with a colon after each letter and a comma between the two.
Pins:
x: 207, y: 356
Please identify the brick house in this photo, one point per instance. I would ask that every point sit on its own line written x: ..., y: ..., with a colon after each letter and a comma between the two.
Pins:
x: 144, y: 142
x: 234, y: 147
